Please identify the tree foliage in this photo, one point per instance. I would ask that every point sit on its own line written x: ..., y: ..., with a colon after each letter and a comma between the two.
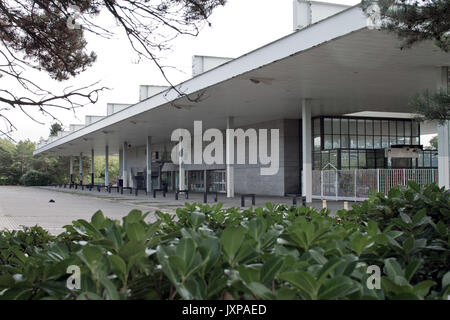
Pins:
x: 432, y: 106
x: 50, y: 36
x: 54, y: 129
x: 415, y: 20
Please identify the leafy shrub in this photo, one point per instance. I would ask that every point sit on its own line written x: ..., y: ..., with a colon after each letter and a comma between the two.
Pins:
x: 36, y: 178
x: 275, y: 252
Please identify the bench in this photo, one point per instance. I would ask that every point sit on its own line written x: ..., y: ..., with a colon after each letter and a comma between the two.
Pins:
x: 294, y: 197
x: 159, y: 190
x: 205, y: 196
x: 126, y: 188
x: 186, y: 194
x: 114, y: 187
x: 243, y: 196
x: 137, y: 190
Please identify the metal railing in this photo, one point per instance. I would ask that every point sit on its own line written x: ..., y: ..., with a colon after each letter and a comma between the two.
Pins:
x: 357, y: 184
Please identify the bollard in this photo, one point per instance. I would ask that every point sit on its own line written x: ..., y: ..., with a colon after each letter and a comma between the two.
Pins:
x: 346, y: 205
x: 324, y: 204
x: 205, y: 197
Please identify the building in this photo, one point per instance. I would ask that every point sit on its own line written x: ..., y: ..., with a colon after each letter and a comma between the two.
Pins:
x: 337, y: 89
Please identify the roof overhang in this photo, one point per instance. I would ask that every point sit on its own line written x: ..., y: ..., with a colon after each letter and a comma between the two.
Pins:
x: 337, y: 63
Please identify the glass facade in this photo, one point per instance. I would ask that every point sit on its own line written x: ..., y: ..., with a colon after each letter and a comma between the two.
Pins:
x: 359, y: 143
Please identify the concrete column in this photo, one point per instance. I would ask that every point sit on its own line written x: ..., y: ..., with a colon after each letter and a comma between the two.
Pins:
x: 149, y: 164
x: 307, y: 150
x: 106, y: 166
x: 229, y: 161
x: 71, y: 169
x: 181, y: 172
x: 443, y: 136
x: 125, y: 165
x: 81, y: 168
x: 92, y: 167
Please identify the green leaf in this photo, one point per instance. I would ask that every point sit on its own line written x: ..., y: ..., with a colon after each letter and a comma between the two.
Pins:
x: 393, y: 268
x: 98, y: 219
x: 270, y: 268
x: 337, y: 287
x: 118, y: 266
x: 197, y: 218
x: 135, y: 231
x: 408, y: 244
x: 327, y: 269
x: 260, y: 290
x: 446, y: 280
x: 303, y: 281
x: 256, y: 228
x: 231, y: 240
x: 423, y: 287
x: 186, y: 250
x: 412, y: 268
x: 405, y: 218
x: 111, y: 290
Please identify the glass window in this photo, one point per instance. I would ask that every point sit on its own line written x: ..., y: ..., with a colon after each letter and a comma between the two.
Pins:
x: 352, y: 124
x: 316, y: 160
x: 420, y: 160
x: 415, y: 128
x: 369, y: 142
x: 362, y: 159
x: 415, y: 141
x: 385, y: 127
x: 392, y: 128
x: 370, y: 159
x: 361, y: 142
x: 400, y: 128
x: 361, y: 127
x: 333, y: 158
x: 392, y: 141
x: 336, y: 141
x: 401, y: 140
x: 336, y: 126
x: 369, y: 127
x: 325, y: 158
x: 377, y: 142
x: 316, y: 126
x: 327, y: 125
x: 407, y: 129
x: 344, y: 126
x: 384, y: 142
x: 353, y: 142
x: 354, y: 159
x: 328, y: 142
x: 377, y: 127
x: 407, y: 140
x: 426, y: 159
x: 317, y: 143
x: 434, y: 159
x: 344, y: 141
x: 345, y: 159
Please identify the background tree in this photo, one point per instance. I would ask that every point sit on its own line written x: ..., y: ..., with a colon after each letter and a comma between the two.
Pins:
x: 45, y: 36
x: 414, y: 21
x: 54, y: 129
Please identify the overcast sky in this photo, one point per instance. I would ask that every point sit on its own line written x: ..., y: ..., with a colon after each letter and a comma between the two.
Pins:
x: 237, y: 28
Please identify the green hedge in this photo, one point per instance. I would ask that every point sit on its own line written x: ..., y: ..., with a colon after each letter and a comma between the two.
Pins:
x: 36, y: 178
x: 271, y: 252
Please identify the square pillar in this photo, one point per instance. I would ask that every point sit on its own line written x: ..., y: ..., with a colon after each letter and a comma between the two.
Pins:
x: 443, y: 135
x: 124, y: 165
x: 81, y: 168
x: 181, y: 172
x: 106, y: 166
x: 229, y: 160
x: 149, y: 165
x: 307, y: 150
x: 71, y: 169
x: 92, y: 167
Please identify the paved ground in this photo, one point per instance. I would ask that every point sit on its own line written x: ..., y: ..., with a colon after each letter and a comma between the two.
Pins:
x: 29, y: 206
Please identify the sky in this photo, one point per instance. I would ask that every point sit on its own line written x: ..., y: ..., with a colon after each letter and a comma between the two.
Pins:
x: 237, y: 28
